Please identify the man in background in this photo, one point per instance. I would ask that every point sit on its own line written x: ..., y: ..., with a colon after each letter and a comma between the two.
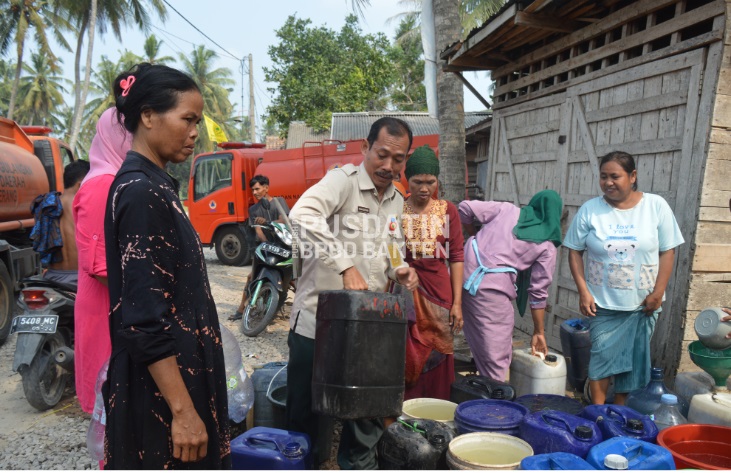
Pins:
x: 260, y: 215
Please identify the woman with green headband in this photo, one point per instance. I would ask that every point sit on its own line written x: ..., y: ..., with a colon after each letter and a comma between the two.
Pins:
x: 434, y: 247
x: 511, y: 241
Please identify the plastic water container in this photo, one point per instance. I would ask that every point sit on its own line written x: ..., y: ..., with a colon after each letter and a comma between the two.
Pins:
x: 640, y: 455
x: 576, y: 347
x: 467, y: 388
x: 429, y: 408
x: 489, y: 415
x: 555, y: 431
x: 95, y: 434
x: 698, y: 446
x: 415, y: 444
x: 239, y: 388
x: 690, y: 383
x: 621, y: 421
x: 711, y: 408
x: 555, y: 461
x: 360, y: 352
x: 647, y: 399
x: 487, y: 451
x: 265, y: 379
x: 264, y: 448
x: 668, y: 415
x: 531, y: 374
x: 552, y: 402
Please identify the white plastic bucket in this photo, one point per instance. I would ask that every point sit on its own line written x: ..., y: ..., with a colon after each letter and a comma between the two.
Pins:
x: 530, y: 374
x: 428, y: 408
x: 487, y: 451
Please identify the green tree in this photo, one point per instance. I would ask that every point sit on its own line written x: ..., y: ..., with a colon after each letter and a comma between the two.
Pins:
x: 88, y: 16
x: 42, y: 90
x: 408, y: 92
x: 6, y: 81
x: 152, y: 51
x: 318, y: 71
x: 19, y: 18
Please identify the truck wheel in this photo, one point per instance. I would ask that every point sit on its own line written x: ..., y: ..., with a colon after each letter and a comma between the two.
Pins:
x: 257, y: 317
x: 232, y: 248
x: 6, y: 302
x: 44, y: 381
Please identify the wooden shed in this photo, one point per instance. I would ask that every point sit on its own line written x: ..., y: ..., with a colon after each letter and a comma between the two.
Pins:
x: 576, y: 79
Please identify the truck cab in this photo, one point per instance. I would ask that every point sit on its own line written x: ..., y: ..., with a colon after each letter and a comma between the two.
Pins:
x: 219, y: 198
x: 53, y: 153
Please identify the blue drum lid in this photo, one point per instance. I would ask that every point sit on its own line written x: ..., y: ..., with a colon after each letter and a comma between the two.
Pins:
x: 490, y: 414
x: 554, y: 402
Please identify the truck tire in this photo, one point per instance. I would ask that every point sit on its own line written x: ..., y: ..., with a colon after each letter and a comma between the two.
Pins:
x: 6, y: 302
x: 256, y: 318
x: 232, y: 247
x: 44, y: 381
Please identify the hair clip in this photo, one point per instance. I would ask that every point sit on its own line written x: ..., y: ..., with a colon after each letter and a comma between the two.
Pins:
x: 126, y: 84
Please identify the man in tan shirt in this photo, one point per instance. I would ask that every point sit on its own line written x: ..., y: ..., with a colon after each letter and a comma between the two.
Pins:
x: 346, y: 225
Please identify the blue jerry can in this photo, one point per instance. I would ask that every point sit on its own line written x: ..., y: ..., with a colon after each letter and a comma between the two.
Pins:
x: 640, y: 455
x: 265, y: 448
x: 555, y: 461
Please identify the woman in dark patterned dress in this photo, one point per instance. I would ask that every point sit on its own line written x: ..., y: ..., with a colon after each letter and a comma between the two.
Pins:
x: 165, y: 395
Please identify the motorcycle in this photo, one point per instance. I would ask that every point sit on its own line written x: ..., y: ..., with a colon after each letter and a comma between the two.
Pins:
x: 271, y: 277
x: 44, y: 356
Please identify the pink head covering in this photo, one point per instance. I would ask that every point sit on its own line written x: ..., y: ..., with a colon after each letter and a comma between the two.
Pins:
x: 109, y: 146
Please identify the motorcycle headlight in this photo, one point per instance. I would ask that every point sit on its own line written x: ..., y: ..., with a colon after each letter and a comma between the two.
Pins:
x: 283, y: 233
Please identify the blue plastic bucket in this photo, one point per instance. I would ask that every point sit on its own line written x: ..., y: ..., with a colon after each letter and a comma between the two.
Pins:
x: 489, y: 415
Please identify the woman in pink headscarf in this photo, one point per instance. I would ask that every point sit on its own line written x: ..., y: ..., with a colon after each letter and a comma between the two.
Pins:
x: 92, y: 345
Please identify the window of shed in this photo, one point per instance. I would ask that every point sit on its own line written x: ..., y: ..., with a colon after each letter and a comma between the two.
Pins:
x: 696, y: 30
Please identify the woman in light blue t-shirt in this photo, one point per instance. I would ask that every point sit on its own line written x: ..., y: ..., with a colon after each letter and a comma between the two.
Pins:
x: 630, y: 237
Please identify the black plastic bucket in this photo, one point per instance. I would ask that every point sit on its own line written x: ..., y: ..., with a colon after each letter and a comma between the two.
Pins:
x: 360, y: 354
x: 278, y: 399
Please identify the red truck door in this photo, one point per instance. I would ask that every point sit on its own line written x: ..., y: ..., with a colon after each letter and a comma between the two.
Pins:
x: 211, y: 195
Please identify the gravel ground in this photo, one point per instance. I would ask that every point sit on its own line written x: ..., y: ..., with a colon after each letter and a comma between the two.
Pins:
x: 56, y: 439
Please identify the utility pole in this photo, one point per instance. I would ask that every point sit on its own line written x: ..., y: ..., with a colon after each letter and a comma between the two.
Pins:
x: 252, y: 110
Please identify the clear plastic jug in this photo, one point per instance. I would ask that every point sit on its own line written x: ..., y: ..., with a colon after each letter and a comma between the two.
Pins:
x: 668, y: 415
x: 647, y: 399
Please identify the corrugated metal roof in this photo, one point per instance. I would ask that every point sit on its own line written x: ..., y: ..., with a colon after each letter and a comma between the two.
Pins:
x: 355, y: 126
x: 299, y: 132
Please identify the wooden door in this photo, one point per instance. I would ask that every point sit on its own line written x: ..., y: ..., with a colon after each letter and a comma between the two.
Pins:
x: 649, y: 111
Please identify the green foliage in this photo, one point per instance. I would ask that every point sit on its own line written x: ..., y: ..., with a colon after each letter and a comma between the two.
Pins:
x: 7, y: 69
x: 319, y: 71
x: 41, y: 92
x: 152, y: 51
x: 408, y: 92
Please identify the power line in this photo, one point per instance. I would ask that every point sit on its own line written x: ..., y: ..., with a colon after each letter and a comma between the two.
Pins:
x: 199, y: 31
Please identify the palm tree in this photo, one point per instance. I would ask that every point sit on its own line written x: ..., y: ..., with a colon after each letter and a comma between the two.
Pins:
x: 42, y: 91
x: 19, y: 18
x: 214, y: 85
x: 6, y: 74
x: 104, y: 14
x: 152, y: 51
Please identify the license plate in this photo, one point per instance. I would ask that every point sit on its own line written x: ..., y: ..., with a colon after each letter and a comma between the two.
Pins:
x: 34, y: 324
x: 283, y: 252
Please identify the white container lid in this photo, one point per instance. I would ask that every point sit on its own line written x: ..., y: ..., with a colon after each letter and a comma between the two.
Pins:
x: 616, y: 462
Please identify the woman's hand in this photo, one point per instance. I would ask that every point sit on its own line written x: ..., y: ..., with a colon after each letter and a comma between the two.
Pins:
x: 727, y: 318
x: 455, y: 318
x: 538, y: 344
x: 651, y: 303
x: 587, y: 306
x: 190, y: 439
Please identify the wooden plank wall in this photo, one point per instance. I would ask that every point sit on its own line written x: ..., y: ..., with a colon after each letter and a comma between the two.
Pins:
x: 710, y: 280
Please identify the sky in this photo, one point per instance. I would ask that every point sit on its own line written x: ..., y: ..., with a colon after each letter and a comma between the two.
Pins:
x: 243, y: 27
